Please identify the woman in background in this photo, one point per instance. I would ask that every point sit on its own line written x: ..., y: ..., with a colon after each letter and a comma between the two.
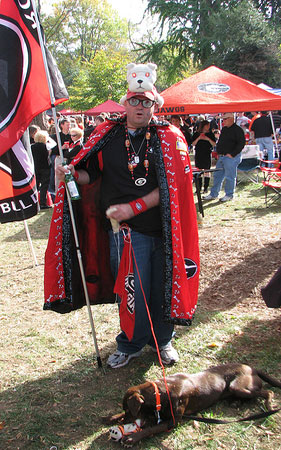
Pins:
x: 42, y: 165
x: 203, y: 140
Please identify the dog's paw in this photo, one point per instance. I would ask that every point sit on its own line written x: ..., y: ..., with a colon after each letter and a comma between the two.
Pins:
x: 127, y: 441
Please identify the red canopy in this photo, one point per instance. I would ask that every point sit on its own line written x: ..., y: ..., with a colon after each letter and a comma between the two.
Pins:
x: 109, y: 107
x: 213, y: 90
x: 69, y: 112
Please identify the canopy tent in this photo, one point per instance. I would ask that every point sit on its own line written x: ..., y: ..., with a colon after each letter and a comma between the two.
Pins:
x: 69, y: 112
x: 109, y: 107
x: 213, y: 90
x: 270, y: 89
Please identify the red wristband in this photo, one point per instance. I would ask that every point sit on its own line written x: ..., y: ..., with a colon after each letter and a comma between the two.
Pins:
x: 138, y: 206
x: 76, y: 175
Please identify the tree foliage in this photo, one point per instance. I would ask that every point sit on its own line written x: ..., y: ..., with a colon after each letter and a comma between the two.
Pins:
x: 204, y: 32
x: 89, y: 42
x: 99, y: 80
x: 248, y: 47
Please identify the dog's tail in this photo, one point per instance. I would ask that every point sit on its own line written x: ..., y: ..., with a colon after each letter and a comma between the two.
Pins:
x: 269, y: 379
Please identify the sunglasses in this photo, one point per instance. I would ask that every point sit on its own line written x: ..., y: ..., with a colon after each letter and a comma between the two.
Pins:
x: 73, y: 135
x: 145, y: 103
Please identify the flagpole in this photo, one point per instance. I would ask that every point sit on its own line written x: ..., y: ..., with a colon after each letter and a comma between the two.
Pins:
x: 79, y: 256
x: 30, y: 242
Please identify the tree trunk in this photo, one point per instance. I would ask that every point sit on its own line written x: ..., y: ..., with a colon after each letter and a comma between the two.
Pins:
x: 41, y: 121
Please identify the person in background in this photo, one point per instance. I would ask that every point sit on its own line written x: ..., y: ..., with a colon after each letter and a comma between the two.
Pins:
x: 99, y: 119
x: 79, y: 122
x: 216, y: 133
x: 65, y: 138
x: 42, y: 165
x: 76, y: 135
x: 203, y: 140
x: 242, y: 121
x: 178, y: 122
x: 32, y: 131
x: 262, y: 130
x: 229, y: 148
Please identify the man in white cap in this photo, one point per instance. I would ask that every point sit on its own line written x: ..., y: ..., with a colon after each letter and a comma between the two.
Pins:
x: 146, y: 182
x: 229, y: 148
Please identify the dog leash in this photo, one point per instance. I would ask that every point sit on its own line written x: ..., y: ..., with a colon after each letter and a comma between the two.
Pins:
x: 158, y: 402
x: 157, y: 349
x: 244, y: 419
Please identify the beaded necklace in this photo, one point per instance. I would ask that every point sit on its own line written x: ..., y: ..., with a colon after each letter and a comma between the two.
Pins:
x: 133, y: 156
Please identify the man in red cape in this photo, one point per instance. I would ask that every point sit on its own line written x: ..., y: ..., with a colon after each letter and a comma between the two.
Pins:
x: 136, y: 171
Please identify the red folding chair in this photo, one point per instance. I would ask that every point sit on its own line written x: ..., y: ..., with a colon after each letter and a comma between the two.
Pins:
x: 271, y: 182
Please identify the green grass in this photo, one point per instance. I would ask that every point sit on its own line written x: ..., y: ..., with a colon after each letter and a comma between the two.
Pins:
x: 53, y: 393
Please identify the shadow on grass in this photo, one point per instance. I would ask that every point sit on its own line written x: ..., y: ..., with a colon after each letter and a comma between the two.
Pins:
x: 238, y: 282
x: 252, y: 192
x: 65, y: 408
x: 256, y: 345
x: 38, y: 228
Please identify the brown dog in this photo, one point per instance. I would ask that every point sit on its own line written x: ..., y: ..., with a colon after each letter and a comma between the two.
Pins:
x: 189, y: 394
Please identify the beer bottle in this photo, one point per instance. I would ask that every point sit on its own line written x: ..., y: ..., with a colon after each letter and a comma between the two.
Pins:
x: 71, y: 185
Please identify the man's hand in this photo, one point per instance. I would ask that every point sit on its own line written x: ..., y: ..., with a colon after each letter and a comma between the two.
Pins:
x: 121, y: 212
x: 61, y: 171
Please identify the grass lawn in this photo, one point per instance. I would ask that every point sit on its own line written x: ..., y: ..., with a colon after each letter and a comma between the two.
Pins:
x: 52, y: 391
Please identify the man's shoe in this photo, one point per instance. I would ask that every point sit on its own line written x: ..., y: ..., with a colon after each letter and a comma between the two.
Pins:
x: 119, y: 359
x: 169, y: 355
x: 226, y: 198
x: 209, y: 197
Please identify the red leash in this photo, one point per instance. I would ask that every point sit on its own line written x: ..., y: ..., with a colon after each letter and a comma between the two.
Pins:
x: 157, y: 349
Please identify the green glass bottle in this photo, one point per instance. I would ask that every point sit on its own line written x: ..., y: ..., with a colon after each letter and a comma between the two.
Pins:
x: 71, y: 185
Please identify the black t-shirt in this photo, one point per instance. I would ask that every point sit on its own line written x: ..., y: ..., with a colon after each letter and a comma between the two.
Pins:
x: 262, y: 127
x: 64, y: 138
x: 117, y: 185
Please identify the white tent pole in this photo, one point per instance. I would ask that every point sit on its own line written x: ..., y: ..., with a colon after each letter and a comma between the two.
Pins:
x: 79, y: 256
x: 30, y: 243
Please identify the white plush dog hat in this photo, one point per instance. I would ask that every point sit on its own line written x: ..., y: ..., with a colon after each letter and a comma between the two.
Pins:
x: 141, y: 79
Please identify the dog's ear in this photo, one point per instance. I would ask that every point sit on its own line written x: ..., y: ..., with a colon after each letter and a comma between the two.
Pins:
x: 134, y: 403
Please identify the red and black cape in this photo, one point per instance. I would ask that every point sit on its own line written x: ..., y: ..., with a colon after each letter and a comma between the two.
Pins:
x: 63, y: 286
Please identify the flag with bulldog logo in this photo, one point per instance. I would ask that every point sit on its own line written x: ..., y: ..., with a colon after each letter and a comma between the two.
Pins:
x: 24, y: 91
x: 125, y: 288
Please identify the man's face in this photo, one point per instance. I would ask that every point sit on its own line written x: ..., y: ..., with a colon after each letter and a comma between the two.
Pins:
x: 228, y: 122
x: 176, y: 122
x: 65, y: 127
x: 138, y: 116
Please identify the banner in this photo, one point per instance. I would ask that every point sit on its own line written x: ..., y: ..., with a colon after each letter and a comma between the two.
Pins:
x: 18, y: 192
x: 24, y: 91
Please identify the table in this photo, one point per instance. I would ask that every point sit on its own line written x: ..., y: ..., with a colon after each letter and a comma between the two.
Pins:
x: 197, y: 173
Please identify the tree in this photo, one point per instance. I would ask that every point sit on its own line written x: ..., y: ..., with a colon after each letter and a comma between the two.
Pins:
x: 89, y: 41
x: 248, y: 47
x: 197, y: 31
x: 99, y: 80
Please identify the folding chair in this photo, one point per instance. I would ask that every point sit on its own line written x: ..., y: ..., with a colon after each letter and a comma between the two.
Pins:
x: 272, y: 184
x: 248, y: 169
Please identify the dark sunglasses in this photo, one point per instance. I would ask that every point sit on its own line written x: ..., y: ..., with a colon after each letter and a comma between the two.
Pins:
x: 145, y: 103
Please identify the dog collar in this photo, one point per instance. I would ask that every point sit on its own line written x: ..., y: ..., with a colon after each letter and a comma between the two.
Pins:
x: 158, y: 402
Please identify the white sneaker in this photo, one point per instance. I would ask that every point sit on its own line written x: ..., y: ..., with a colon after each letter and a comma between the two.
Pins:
x: 119, y: 359
x: 209, y: 197
x: 168, y: 354
x: 226, y: 198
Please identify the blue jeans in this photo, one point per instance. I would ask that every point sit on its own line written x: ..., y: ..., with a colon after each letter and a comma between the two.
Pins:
x: 266, y: 143
x: 150, y: 261
x: 228, y: 171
